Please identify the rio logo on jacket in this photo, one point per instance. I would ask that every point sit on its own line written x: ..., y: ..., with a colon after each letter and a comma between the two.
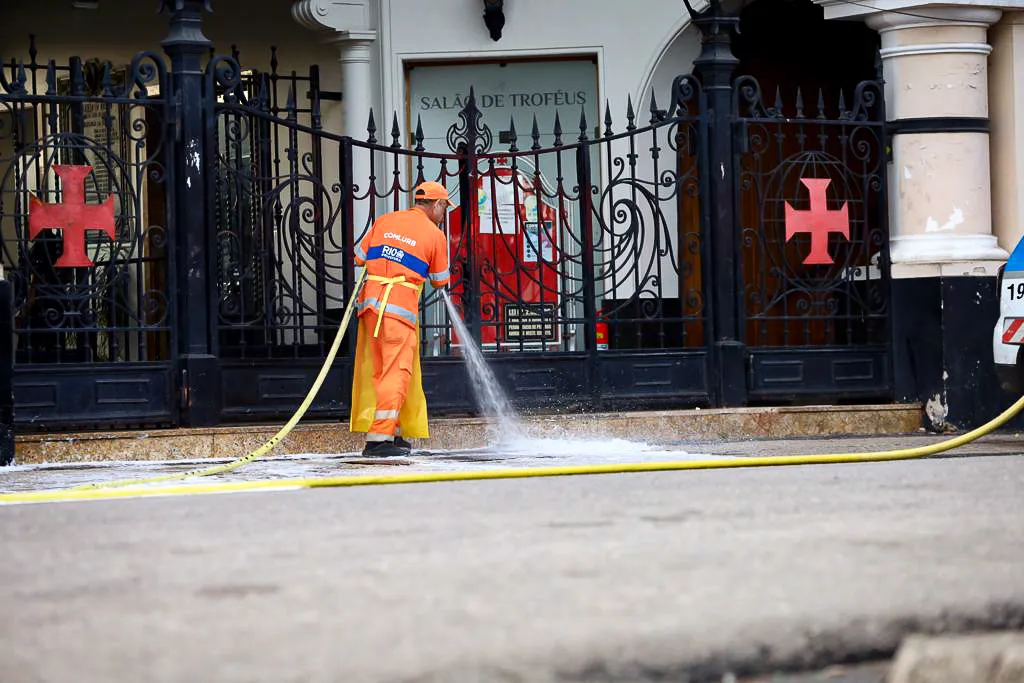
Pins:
x: 392, y: 254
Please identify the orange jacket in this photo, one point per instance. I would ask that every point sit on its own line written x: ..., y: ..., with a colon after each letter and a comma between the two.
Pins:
x: 403, y: 243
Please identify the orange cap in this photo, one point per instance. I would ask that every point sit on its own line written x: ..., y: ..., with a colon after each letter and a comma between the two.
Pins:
x: 432, y: 190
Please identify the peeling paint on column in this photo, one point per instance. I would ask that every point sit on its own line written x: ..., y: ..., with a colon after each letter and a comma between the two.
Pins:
x: 956, y: 218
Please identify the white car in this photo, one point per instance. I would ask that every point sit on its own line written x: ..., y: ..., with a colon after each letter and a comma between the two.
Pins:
x: 1008, y: 335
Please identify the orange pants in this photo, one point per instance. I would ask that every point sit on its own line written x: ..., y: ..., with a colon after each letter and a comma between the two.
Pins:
x: 394, y: 351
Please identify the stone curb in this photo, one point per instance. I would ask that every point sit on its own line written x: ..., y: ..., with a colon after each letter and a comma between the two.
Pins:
x: 976, y: 658
x: 655, y: 427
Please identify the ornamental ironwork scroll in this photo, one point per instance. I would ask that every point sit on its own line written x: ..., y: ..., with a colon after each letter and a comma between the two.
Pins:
x: 103, y: 131
x: 813, y: 217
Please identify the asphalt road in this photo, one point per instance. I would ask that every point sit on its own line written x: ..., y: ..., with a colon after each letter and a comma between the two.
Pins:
x: 671, y: 576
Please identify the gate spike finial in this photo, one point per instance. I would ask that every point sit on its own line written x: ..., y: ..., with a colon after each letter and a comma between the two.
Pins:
x: 51, y: 78
x: 419, y: 134
x: 558, y: 130
x: 655, y: 111
x: 371, y: 129
x: 821, y: 103
x: 316, y: 113
x: 396, y: 133
x: 107, y: 90
x: 630, y: 114
x: 469, y: 106
x: 778, y: 102
x: 842, y: 104
x: 535, y: 135
x: 799, y: 103
x: 607, y: 118
x: 32, y: 51
x: 290, y: 106
x: 273, y: 60
x: 263, y: 94
x: 583, y: 125
x: 512, y: 134
x: 77, y: 77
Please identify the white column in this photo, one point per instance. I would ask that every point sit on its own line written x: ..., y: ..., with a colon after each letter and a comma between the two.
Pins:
x: 350, y: 24
x: 357, y: 79
x: 356, y: 57
x: 936, y: 71
x: 1007, y: 111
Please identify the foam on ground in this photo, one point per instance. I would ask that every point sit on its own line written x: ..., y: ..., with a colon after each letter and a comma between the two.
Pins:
x: 529, y: 451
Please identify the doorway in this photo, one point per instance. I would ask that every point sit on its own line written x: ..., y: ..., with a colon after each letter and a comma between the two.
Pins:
x: 788, y: 44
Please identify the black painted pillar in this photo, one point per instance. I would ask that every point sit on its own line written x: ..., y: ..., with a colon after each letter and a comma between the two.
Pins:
x: 470, y: 139
x: 199, y: 367
x: 714, y: 67
x: 6, y: 371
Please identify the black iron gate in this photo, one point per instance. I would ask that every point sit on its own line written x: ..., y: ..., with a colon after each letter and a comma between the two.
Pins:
x: 590, y: 293
x: 701, y: 248
x: 813, y: 276
x: 84, y: 214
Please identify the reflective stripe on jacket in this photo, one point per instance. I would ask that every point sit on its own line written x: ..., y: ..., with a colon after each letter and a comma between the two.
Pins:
x: 402, y: 243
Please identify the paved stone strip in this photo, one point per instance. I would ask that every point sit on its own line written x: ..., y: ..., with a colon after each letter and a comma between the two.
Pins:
x: 464, y: 433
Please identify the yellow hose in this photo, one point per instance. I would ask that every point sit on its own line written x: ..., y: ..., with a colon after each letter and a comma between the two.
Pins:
x: 518, y: 473
x: 117, y: 489
x: 274, y: 440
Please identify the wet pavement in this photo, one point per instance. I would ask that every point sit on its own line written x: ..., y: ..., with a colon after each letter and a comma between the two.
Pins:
x: 534, y: 450
x: 528, y: 452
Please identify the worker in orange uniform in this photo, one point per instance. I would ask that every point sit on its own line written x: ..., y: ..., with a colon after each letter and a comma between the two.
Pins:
x: 402, y: 251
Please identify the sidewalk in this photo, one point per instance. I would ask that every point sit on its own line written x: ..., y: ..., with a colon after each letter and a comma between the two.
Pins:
x: 656, y: 427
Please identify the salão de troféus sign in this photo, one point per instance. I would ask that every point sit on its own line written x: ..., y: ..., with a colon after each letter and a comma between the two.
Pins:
x: 504, y: 92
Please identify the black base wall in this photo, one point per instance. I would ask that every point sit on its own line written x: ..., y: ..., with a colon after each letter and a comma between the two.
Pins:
x: 942, y: 346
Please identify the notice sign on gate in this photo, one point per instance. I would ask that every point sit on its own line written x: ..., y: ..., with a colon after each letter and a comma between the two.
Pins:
x: 537, y: 242
x: 530, y: 322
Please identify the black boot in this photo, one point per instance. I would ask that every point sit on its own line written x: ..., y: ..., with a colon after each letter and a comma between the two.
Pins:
x: 384, y: 449
x: 402, y: 443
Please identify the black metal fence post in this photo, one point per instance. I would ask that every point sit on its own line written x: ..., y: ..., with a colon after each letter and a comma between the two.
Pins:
x: 195, y: 249
x: 6, y: 371
x: 471, y: 275
x: 348, y: 276
x: 319, y: 216
x: 714, y: 67
x: 583, y: 177
x: 469, y: 140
